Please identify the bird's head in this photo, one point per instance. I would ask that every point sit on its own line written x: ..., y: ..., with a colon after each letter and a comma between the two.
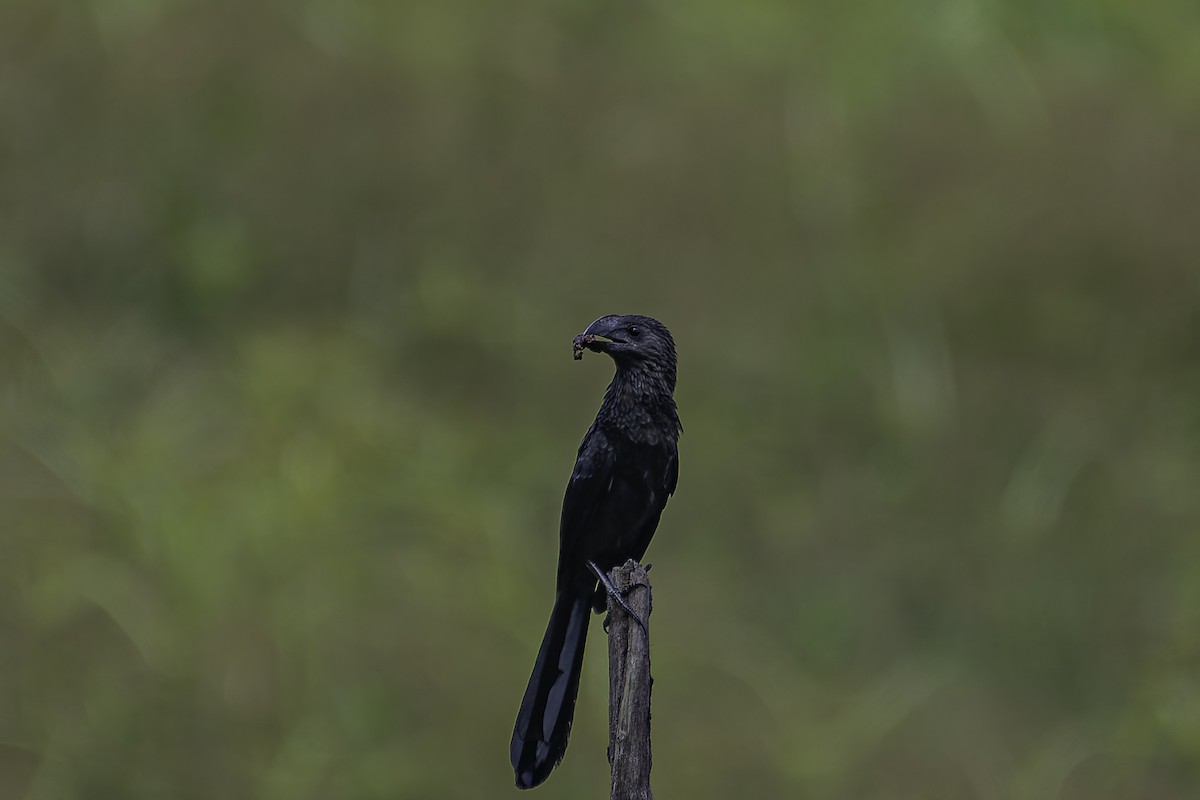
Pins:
x: 634, y: 342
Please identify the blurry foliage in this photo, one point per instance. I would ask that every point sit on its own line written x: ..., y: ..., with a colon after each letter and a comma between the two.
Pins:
x: 286, y: 298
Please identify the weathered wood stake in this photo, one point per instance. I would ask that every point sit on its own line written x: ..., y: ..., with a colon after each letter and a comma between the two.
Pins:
x: 629, y: 686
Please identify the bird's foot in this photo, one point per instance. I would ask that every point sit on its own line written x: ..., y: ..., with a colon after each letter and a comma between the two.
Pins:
x: 617, y: 596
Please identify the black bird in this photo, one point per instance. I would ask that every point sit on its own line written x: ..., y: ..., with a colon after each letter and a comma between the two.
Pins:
x: 626, y: 469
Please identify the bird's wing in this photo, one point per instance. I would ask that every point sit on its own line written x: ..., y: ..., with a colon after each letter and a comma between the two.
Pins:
x: 591, y: 480
x: 672, y: 473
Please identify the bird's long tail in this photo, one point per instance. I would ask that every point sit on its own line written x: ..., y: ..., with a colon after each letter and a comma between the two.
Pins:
x: 544, y: 721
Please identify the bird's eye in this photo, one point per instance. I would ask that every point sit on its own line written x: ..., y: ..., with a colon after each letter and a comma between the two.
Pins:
x: 635, y: 331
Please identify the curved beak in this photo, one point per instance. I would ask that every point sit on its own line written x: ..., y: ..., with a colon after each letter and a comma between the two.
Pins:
x: 597, y: 337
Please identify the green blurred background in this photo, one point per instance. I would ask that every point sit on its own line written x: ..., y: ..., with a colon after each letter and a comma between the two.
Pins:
x: 287, y: 292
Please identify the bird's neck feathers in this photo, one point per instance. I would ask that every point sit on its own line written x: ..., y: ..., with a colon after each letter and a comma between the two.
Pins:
x: 647, y: 382
x: 642, y: 402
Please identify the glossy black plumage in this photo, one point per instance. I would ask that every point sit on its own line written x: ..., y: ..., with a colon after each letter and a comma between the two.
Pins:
x: 626, y: 469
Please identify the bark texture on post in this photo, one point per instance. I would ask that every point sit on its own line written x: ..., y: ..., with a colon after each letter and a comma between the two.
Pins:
x: 629, y: 686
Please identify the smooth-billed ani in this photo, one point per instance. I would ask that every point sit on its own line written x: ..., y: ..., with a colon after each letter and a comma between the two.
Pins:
x: 626, y: 469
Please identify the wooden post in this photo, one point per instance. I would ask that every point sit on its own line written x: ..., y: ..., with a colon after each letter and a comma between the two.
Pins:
x: 629, y: 685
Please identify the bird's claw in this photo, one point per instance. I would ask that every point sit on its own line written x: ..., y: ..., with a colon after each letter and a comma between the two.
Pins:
x: 617, y: 596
